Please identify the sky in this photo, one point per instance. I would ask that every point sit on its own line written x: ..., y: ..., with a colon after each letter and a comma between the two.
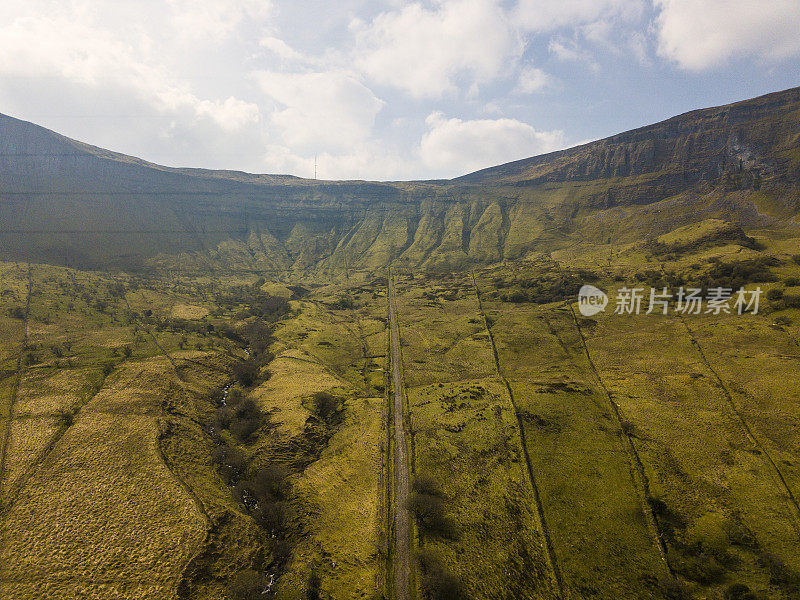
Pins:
x: 381, y: 90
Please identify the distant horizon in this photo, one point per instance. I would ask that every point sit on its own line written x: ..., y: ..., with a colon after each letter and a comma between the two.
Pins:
x: 188, y: 167
x: 386, y: 91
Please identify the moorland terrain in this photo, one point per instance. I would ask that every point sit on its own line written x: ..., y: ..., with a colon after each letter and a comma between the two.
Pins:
x: 223, y: 385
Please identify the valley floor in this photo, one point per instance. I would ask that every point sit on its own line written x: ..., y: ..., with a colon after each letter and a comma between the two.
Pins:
x: 220, y: 435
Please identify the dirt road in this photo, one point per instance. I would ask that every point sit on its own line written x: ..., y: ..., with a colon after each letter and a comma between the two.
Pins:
x: 402, y: 530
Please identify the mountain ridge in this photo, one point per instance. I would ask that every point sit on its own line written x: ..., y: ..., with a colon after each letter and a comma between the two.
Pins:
x: 68, y: 202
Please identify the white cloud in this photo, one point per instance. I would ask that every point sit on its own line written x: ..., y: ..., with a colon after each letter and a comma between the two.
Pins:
x: 84, y: 56
x: 321, y: 110
x: 548, y: 15
x: 371, y: 160
x: 637, y: 46
x: 423, y: 51
x: 533, y: 80
x: 701, y: 35
x: 215, y: 19
x: 569, y: 50
x: 454, y: 147
x: 280, y: 48
x: 231, y: 114
x: 114, y: 74
x: 617, y: 38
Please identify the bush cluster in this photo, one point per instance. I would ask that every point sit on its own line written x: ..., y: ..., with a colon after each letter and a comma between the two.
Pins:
x: 327, y: 408
x: 343, y: 302
x: 739, y: 274
x: 242, y: 419
x: 429, y: 507
x: 780, y: 574
x: 438, y: 583
x: 252, y: 302
x: 248, y: 585
x: 552, y: 287
x: 265, y: 495
x: 16, y: 312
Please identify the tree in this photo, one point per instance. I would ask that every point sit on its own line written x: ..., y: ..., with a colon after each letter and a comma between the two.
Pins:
x: 246, y: 372
x: 430, y: 513
x: 326, y: 406
x: 232, y: 462
x: 437, y: 581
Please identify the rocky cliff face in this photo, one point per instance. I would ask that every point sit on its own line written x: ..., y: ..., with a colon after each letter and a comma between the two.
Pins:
x: 66, y: 202
x: 760, y: 137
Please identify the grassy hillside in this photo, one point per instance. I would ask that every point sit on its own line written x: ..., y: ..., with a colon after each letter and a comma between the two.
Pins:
x: 68, y: 203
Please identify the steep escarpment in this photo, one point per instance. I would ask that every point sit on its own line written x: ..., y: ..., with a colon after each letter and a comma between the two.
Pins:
x: 760, y: 136
x: 66, y: 202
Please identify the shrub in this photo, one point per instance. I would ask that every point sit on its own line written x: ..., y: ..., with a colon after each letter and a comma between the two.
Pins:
x: 246, y: 408
x: 438, y: 582
x: 242, y: 419
x: 17, y: 312
x: 739, y: 274
x: 271, y: 516
x: 779, y: 573
x: 673, y: 589
x: 738, y: 591
x: 298, y: 291
x: 739, y: 534
x: 327, y: 407
x: 429, y: 511
x: 700, y: 567
x: 65, y: 418
x: 235, y: 395
x: 515, y: 297
x: 791, y: 298
x: 774, y: 294
x: 281, y: 550
x: 791, y: 281
x: 231, y: 462
x: 441, y: 585
x: 425, y: 485
x: 246, y: 372
x: 248, y: 585
x: 313, y: 587
x: 116, y: 290
x: 343, y: 302
x: 258, y: 336
x: 271, y: 482
x: 257, y: 303
x: 223, y: 417
x: 667, y: 520
x: 244, y: 427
